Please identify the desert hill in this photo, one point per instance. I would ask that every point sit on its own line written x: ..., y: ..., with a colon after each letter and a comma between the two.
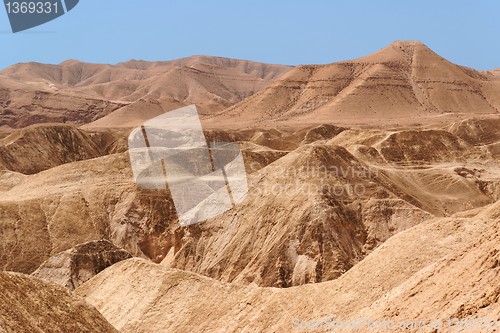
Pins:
x: 79, y: 93
x: 494, y: 72
x: 321, y: 199
x: 31, y: 305
x: 405, y: 83
x: 374, y: 192
x: 410, y: 277
x: 41, y: 147
x: 70, y: 194
x: 314, y: 213
x: 153, y: 78
x: 23, y: 104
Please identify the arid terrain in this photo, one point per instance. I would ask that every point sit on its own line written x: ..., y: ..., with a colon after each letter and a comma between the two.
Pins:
x: 374, y: 194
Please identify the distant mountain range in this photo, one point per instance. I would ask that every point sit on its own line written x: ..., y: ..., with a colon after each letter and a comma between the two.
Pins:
x: 79, y: 93
x: 405, y: 83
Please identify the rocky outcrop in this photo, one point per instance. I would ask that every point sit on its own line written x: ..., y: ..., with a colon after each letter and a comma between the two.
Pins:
x: 73, y: 267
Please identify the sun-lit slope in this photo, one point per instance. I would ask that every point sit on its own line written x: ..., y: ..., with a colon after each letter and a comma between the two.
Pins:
x: 404, y: 83
x: 134, y: 114
x: 137, y: 79
x: 461, y: 285
x: 406, y: 278
x: 304, y: 206
x: 478, y: 132
x: 495, y: 73
x: 440, y: 170
x: 320, y: 200
x: 31, y: 305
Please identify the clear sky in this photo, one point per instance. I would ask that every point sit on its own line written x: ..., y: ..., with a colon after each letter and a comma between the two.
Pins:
x: 273, y: 31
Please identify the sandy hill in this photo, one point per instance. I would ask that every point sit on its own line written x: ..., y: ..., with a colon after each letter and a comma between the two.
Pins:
x: 56, y: 193
x: 41, y: 147
x: 411, y: 277
x: 31, y: 305
x: 423, y: 226
x: 310, y: 230
x: 382, y: 220
x: 54, y: 210
x: 23, y: 104
x: 79, y: 93
x: 404, y: 83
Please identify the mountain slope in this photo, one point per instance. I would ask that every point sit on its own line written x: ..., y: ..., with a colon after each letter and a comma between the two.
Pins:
x: 41, y: 147
x: 311, y: 229
x: 407, y: 278
x: 31, y: 305
x: 404, y: 83
x: 319, y: 201
x: 23, y: 104
x: 80, y: 93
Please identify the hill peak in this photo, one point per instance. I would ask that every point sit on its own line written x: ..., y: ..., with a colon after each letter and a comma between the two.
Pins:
x: 410, y: 46
x: 414, y: 43
x: 404, y: 82
x: 399, y: 51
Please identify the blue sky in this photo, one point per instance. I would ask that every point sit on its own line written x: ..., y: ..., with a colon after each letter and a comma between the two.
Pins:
x: 285, y: 32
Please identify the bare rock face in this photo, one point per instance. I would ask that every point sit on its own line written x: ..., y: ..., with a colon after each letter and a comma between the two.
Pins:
x: 73, y: 267
x: 320, y: 213
x: 29, y: 304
